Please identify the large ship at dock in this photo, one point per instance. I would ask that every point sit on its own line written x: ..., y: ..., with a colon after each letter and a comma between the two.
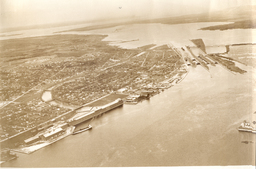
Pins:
x: 87, y: 113
x: 61, y: 129
x: 46, y: 137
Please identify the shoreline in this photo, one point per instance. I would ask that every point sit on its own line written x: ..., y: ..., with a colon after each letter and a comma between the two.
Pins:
x: 33, y: 148
x: 176, y: 80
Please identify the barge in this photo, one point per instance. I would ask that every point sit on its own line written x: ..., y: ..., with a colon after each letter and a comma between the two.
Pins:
x: 82, y: 130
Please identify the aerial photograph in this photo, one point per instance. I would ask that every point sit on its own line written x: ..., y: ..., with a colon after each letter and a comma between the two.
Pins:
x: 127, y: 83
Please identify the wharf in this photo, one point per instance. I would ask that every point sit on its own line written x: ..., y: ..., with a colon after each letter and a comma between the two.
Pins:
x: 87, y: 113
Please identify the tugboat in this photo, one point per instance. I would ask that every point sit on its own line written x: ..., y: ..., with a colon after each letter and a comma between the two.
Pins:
x: 82, y: 130
x: 7, y: 155
x: 247, y: 127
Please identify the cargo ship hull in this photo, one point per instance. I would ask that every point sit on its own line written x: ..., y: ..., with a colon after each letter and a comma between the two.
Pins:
x: 40, y: 144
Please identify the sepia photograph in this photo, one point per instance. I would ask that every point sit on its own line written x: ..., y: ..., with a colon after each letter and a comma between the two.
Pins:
x: 128, y: 83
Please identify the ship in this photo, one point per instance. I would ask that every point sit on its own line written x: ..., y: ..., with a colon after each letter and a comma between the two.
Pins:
x: 46, y: 137
x: 87, y: 113
x: 7, y: 155
x: 247, y: 127
x: 82, y: 130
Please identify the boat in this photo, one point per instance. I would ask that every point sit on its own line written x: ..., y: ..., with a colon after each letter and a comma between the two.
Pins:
x: 46, y: 137
x: 82, y: 130
x: 247, y: 127
x: 7, y: 155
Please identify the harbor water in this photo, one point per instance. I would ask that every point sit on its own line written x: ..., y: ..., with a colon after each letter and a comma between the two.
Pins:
x: 192, y: 123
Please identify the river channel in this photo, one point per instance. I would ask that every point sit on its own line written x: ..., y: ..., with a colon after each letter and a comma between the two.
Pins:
x: 192, y: 123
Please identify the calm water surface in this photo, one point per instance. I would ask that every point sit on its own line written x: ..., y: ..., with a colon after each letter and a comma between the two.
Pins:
x: 192, y: 123
x: 179, y: 34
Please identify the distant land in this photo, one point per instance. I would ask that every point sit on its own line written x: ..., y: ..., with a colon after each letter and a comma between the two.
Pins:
x: 16, y: 34
x: 246, y: 24
x: 53, y: 25
x: 239, y: 15
x: 243, y: 17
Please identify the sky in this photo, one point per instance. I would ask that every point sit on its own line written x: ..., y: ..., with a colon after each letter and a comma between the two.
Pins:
x: 17, y: 13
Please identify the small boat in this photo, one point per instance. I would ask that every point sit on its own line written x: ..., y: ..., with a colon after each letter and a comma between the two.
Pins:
x: 82, y: 130
x: 7, y: 155
x: 246, y: 127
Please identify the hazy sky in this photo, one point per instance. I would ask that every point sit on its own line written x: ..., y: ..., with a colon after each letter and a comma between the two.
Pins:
x: 33, y: 12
